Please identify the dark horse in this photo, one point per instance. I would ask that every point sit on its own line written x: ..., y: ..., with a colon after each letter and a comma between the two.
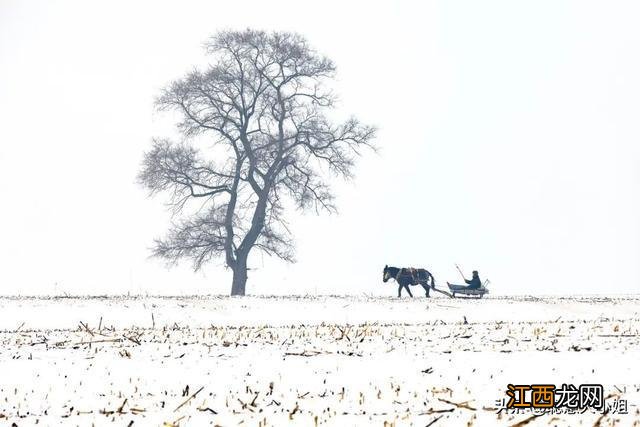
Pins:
x: 408, y: 276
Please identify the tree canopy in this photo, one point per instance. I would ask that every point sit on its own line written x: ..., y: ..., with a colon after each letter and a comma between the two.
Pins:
x: 255, y: 134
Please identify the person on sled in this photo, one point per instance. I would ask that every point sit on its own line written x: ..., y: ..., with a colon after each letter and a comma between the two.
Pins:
x: 474, y: 283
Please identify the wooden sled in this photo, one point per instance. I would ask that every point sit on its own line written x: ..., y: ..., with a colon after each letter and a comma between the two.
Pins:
x: 464, y: 290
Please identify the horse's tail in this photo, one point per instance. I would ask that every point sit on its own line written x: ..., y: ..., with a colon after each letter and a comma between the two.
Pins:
x: 433, y: 281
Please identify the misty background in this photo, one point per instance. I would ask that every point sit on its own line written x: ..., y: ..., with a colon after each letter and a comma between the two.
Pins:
x: 508, y: 143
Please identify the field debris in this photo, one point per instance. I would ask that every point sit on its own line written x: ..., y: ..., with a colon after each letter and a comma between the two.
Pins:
x: 212, y: 362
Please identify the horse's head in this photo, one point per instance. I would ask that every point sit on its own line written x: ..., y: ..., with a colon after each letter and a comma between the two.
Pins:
x: 388, y: 273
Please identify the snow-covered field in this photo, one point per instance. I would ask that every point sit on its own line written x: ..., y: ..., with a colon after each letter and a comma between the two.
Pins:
x: 339, y: 361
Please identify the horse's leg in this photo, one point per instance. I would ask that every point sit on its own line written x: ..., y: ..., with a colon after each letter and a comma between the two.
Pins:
x: 399, y: 290
x: 408, y: 290
x: 426, y: 288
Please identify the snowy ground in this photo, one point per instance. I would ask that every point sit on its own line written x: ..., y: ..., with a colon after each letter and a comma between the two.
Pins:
x: 338, y: 361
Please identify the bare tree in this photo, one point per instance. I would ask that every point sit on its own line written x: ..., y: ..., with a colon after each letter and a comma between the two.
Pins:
x: 260, y: 107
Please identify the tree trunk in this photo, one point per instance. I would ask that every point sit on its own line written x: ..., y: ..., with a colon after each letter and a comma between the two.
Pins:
x: 242, y: 253
x: 239, y: 277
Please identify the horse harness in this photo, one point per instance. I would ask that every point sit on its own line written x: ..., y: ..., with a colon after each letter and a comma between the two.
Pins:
x: 413, y: 272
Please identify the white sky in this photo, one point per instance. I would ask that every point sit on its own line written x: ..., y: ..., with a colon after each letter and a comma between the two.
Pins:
x: 508, y: 143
